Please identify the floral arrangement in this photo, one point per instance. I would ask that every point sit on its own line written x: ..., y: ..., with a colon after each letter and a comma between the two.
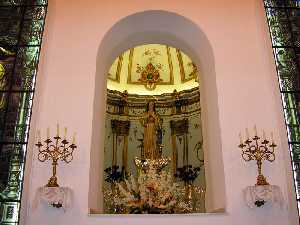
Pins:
x: 152, y: 192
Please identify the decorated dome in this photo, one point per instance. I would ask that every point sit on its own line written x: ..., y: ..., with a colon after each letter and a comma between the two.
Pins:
x: 152, y: 69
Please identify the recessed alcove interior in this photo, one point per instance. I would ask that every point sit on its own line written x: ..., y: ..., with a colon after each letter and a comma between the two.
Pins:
x: 171, y: 29
x: 167, y: 77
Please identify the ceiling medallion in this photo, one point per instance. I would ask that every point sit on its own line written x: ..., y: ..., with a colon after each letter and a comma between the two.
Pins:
x: 150, y: 77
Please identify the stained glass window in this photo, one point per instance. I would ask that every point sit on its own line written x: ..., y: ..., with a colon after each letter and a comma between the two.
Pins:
x: 284, y: 23
x: 21, y: 30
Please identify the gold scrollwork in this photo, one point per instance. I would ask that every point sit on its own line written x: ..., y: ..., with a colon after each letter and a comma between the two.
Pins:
x: 150, y: 68
x: 150, y: 77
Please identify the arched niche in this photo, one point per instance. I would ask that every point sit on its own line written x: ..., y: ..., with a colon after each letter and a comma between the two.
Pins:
x: 162, y: 27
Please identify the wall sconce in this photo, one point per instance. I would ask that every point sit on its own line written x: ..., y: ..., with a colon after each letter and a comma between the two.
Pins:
x: 259, y: 149
x: 54, y: 150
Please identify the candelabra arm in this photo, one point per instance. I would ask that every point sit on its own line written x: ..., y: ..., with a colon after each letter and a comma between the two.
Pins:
x: 258, y: 150
x: 54, y: 151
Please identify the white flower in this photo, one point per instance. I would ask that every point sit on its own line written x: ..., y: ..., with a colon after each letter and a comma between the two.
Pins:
x: 154, y: 189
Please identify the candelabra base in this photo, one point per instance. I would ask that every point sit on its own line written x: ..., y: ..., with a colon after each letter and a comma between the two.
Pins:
x: 261, y: 180
x: 52, y: 182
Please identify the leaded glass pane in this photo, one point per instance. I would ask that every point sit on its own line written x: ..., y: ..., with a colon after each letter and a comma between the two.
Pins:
x: 296, y: 164
x: 10, y: 25
x: 289, y: 77
x: 284, y: 24
x: 282, y: 3
x: 6, y: 72
x: 23, y: 2
x: 294, y: 18
x: 11, y: 2
x: 21, y: 30
x: 26, y: 67
x: 35, y: 13
x: 9, y: 212
x: 36, y: 2
x: 12, y: 163
x: 15, y: 121
x: 279, y: 27
x: 3, y: 106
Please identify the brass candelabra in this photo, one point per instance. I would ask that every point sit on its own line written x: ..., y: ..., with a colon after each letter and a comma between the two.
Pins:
x: 259, y: 150
x: 58, y: 149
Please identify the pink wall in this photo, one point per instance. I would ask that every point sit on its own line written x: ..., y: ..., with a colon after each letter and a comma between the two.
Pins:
x: 247, y: 94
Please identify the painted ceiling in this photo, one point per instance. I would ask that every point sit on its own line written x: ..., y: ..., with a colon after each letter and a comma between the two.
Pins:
x: 152, y: 69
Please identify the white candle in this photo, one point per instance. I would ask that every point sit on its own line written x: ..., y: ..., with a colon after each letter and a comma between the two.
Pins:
x: 255, y: 130
x: 264, y: 135
x: 247, y: 134
x: 39, y: 135
x: 241, y: 138
x: 74, y: 137
x: 272, y: 137
x: 57, y: 130
x: 65, y: 134
x: 48, y: 132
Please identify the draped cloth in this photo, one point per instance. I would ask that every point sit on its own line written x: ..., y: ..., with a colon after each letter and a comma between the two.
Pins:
x: 54, y: 196
x: 267, y: 193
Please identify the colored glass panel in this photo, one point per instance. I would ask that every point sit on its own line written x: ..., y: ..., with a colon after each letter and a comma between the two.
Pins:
x: 21, y: 30
x: 283, y: 18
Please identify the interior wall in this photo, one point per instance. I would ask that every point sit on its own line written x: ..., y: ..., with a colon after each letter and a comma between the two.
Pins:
x: 246, y: 88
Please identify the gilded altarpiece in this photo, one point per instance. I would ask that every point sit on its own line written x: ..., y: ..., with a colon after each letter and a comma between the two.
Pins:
x: 183, y: 145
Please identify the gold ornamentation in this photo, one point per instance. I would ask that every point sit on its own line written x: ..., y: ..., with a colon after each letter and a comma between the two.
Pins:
x: 151, y: 54
x: 258, y: 150
x: 59, y: 149
x: 146, y: 164
x: 150, y: 77
x: 166, y: 103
